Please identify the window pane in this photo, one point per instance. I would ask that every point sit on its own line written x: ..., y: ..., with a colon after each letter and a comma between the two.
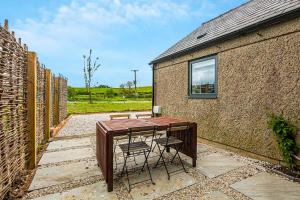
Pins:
x: 203, y: 77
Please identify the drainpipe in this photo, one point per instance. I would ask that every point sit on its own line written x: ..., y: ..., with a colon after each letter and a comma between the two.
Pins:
x: 153, y: 88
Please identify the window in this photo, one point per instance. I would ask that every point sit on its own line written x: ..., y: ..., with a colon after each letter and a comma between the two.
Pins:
x: 202, y: 78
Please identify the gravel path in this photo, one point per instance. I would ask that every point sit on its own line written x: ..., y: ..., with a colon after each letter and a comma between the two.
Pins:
x: 86, y: 124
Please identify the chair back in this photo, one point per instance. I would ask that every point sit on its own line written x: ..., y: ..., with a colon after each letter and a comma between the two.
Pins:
x: 119, y: 116
x: 174, y: 127
x: 140, y: 131
x: 179, y: 126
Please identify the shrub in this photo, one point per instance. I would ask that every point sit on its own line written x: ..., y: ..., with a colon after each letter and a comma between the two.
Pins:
x: 286, y: 133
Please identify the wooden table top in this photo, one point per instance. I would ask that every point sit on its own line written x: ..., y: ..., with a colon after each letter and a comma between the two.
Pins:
x: 124, y: 124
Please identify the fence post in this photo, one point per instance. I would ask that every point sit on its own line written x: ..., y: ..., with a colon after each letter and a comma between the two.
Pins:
x: 47, y: 104
x: 32, y: 92
x: 56, y: 101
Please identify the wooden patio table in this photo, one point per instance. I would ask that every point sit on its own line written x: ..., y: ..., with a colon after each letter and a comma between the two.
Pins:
x: 106, y: 130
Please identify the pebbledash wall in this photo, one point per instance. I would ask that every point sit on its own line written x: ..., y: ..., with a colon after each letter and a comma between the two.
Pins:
x: 256, y: 73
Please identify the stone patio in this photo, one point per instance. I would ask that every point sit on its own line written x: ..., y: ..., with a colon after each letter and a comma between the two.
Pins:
x: 54, y: 175
x: 216, y: 164
x: 162, y: 184
x: 66, y: 155
x: 92, y: 192
x: 68, y: 170
x: 69, y: 143
x: 268, y: 186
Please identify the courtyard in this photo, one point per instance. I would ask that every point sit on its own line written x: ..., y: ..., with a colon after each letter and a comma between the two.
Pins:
x: 68, y: 170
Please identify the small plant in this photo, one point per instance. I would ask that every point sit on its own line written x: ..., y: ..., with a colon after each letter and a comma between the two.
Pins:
x: 89, y: 69
x: 285, y: 132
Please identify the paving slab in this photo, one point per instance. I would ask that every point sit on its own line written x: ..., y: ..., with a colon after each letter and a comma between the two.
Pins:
x: 268, y: 186
x: 216, y: 164
x: 65, y: 155
x: 137, y: 164
x: 69, y: 143
x: 89, y: 192
x: 45, y: 177
x: 217, y: 195
x: 162, y: 184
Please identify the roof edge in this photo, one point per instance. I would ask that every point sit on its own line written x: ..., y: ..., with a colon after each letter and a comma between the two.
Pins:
x: 265, y: 23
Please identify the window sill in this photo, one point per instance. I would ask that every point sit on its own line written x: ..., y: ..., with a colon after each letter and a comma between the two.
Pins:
x: 203, y: 96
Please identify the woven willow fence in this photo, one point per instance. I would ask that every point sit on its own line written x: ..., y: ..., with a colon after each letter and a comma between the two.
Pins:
x: 13, y: 112
x: 30, y: 99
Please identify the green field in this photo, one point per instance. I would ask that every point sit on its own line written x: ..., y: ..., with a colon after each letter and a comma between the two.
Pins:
x: 113, y: 100
x: 106, y: 106
x: 108, y: 94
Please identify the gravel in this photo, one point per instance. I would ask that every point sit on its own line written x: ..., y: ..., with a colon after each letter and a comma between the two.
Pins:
x: 86, y: 124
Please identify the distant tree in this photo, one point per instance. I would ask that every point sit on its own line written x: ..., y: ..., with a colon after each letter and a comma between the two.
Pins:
x: 89, y: 68
x: 101, y: 86
x: 129, y: 84
x: 126, y: 89
x: 122, y: 86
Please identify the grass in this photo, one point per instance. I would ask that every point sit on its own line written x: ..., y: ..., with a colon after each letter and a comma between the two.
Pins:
x: 107, y: 106
x: 108, y: 100
x: 101, y: 94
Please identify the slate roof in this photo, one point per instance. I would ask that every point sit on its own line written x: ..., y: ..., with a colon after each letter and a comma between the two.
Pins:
x: 247, y: 16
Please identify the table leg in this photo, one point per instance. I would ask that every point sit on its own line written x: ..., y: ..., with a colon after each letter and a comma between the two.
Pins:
x: 194, y: 162
x: 110, y: 163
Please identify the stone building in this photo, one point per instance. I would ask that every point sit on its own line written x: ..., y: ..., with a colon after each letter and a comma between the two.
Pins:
x: 233, y: 70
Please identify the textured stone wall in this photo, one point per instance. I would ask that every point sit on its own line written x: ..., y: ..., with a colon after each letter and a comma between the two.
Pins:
x: 257, y: 73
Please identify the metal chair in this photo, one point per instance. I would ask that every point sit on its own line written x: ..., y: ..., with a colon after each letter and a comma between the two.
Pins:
x: 171, y: 141
x: 133, y: 149
x: 117, y: 139
x: 158, y: 134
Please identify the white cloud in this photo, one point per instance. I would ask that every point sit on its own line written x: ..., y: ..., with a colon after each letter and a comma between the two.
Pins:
x: 83, y: 20
x: 70, y: 30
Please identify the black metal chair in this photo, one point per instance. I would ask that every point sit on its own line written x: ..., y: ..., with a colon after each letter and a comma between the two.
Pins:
x: 172, y: 142
x: 158, y: 134
x: 133, y: 149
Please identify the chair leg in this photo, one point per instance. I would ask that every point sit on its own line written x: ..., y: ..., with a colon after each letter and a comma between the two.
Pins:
x: 161, y: 157
x: 129, y: 186
x: 125, y: 159
x: 146, y: 161
x: 155, y: 145
x: 126, y: 170
x: 177, y: 153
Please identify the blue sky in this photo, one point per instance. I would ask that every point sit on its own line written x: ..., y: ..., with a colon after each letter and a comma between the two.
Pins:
x: 124, y: 34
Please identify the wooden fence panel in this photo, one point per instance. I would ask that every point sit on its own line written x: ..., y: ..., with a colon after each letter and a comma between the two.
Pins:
x: 13, y: 112
x: 41, y: 118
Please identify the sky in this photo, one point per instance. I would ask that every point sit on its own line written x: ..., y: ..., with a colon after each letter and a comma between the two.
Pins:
x: 124, y: 34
